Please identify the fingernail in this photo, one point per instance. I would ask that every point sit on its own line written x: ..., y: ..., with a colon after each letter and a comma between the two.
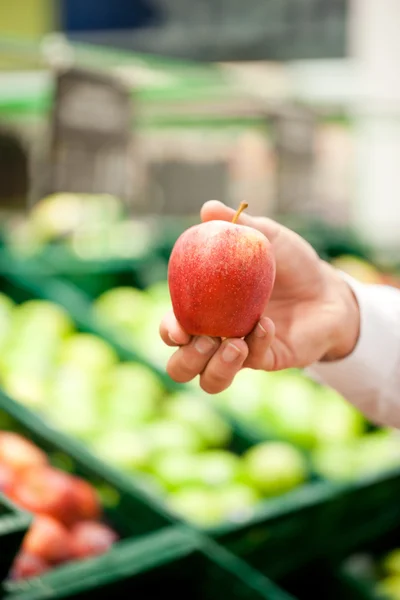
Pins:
x: 230, y: 353
x: 172, y: 339
x: 260, y: 331
x: 204, y: 344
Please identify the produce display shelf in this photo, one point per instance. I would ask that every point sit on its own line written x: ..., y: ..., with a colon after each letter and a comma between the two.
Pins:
x: 14, y: 523
x: 273, y: 539
x: 174, y: 559
x: 127, y: 510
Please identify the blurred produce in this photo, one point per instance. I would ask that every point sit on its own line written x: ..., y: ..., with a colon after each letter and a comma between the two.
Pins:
x: 377, y: 570
x: 290, y: 406
x: 67, y: 512
x: 175, y: 445
x: 134, y: 316
x: 88, y: 227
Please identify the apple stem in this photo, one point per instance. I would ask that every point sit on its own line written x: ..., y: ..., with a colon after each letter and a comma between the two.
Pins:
x: 239, y: 211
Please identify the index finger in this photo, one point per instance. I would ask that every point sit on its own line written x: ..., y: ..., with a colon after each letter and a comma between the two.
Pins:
x: 215, y: 210
x: 172, y: 333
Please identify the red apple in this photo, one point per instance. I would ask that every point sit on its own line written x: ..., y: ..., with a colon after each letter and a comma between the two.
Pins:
x: 87, y: 505
x: 19, y: 453
x: 48, y: 491
x: 48, y: 539
x: 28, y: 565
x: 7, y: 479
x: 220, y: 278
x: 91, y: 539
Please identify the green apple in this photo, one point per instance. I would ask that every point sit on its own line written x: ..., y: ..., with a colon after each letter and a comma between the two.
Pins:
x: 245, y: 398
x: 391, y: 562
x: 57, y: 215
x: 377, y: 452
x: 238, y: 501
x: 148, y: 338
x: 189, y: 409
x: 199, y: 506
x: 159, y: 293
x: 336, y: 462
x: 123, y: 308
x: 289, y: 410
x: 27, y: 388
x: 127, y: 450
x: 274, y: 468
x: 130, y: 239
x: 41, y: 316
x: 216, y: 468
x: 167, y: 434
x: 389, y: 588
x: 131, y: 395
x: 89, y: 352
x: 335, y: 420
x: 175, y: 469
x: 72, y: 398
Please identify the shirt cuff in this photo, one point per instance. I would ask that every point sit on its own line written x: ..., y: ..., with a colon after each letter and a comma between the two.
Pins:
x: 361, y: 377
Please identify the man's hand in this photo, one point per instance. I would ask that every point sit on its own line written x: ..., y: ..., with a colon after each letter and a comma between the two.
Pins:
x: 311, y: 316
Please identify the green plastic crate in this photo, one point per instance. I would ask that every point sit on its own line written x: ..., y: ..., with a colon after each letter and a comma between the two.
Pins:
x: 348, y: 575
x: 273, y: 539
x: 320, y: 520
x: 14, y: 523
x: 173, y: 560
x: 328, y: 584
x: 92, y: 277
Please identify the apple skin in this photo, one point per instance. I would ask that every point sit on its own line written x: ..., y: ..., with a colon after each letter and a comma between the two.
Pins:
x: 7, y: 479
x: 49, y: 540
x: 18, y: 453
x: 91, y: 539
x: 86, y: 503
x: 28, y: 565
x: 220, y: 278
x: 46, y: 491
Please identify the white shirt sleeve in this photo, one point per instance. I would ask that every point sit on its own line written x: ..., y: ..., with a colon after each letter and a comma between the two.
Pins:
x: 370, y: 377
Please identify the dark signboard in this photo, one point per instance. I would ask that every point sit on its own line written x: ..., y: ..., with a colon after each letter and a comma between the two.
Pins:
x: 234, y: 30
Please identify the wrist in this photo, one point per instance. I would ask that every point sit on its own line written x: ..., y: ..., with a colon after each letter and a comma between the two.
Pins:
x: 346, y: 322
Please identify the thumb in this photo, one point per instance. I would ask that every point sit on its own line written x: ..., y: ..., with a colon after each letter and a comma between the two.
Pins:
x: 213, y: 210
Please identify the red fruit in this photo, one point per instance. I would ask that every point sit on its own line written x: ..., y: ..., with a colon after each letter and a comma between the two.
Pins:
x: 27, y: 565
x: 87, y: 505
x: 91, y: 539
x: 7, y: 479
x: 49, y: 540
x: 46, y: 491
x: 220, y: 278
x: 19, y: 453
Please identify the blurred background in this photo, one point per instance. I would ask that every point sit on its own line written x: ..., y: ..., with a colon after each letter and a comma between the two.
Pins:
x: 289, y: 104
x: 118, y: 120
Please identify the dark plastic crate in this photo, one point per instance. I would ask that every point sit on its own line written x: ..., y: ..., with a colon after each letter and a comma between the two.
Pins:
x: 14, y: 523
x: 127, y: 510
x: 341, y: 578
x: 174, y: 560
